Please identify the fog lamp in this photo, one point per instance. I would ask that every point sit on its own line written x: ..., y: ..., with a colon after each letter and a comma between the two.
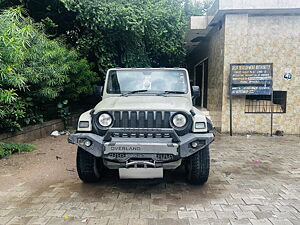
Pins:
x: 87, y: 143
x: 195, y: 144
x: 84, y: 142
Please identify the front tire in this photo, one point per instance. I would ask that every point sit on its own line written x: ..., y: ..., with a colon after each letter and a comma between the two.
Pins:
x: 87, y: 166
x: 197, y: 166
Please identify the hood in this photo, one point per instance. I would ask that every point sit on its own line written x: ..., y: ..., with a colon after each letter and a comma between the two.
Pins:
x: 147, y: 103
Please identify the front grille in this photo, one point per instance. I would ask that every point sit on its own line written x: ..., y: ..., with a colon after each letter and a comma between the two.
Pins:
x: 141, y: 119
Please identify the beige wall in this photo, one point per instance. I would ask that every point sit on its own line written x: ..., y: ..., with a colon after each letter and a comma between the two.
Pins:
x: 215, y: 73
x: 262, y: 39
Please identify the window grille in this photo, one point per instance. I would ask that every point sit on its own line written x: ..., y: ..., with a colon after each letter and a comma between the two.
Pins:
x: 262, y: 103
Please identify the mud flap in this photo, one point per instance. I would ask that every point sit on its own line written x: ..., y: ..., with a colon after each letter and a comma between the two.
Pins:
x: 141, y: 173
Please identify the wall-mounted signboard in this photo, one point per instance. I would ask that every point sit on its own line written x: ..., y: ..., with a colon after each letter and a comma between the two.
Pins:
x: 251, y: 79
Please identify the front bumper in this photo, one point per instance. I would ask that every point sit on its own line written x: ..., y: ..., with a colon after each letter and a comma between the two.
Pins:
x: 157, y: 143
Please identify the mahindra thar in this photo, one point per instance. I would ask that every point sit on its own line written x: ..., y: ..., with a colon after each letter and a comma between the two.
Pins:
x: 145, y: 124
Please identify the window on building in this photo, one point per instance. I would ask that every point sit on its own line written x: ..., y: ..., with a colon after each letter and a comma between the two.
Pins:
x: 262, y: 103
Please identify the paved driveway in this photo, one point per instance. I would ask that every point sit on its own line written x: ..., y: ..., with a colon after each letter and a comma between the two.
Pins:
x: 253, y: 180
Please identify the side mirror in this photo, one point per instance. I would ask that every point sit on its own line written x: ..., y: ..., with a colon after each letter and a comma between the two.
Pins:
x: 101, y: 89
x: 196, y: 91
x: 98, y: 92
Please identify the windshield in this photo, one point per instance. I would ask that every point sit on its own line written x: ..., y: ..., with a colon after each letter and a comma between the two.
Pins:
x: 147, y: 81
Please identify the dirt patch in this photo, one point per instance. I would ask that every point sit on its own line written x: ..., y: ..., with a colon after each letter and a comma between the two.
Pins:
x: 42, y: 167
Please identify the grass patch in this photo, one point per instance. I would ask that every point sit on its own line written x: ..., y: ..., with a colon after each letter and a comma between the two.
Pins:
x: 7, y: 149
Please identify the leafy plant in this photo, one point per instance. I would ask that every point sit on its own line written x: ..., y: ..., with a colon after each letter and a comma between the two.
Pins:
x: 32, y: 112
x: 63, y: 110
x: 7, y: 149
x: 35, y: 70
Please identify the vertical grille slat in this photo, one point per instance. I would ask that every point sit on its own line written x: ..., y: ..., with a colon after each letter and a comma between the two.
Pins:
x: 117, y: 119
x: 133, y: 119
x: 125, y: 119
x: 166, y: 119
x: 142, y: 119
x: 158, y: 120
x: 150, y: 119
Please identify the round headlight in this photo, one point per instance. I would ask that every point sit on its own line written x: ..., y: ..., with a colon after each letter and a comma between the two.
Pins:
x: 179, y: 120
x: 105, y: 120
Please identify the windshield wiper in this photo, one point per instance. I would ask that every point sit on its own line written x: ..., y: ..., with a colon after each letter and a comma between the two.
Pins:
x: 172, y: 92
x: 133, y: 92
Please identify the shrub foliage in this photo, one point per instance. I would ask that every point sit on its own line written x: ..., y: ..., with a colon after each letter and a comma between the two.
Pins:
x: 35, y: 70
x: 7, y: 149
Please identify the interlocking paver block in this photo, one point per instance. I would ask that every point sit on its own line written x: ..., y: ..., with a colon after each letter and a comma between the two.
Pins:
x: 170, y: 215
x: 4, y: 212
x: 240, y: 222
x: 245, y: 215
x: 286, y: 208
x: 262, y: 215
x: 77, y: 213
x: 55, y: 213
x: 260, y: 222
x: 277, y: 221
x: 285, y: 215
x: 102, y: 221
x: 213, y: 208
x: 252, y: 201
x: 158, y: 207
x: 252, y: 208
x: 130, y: 215
x: 138, y: 222
x: 39, y: 220
x: 198, y: 222
x: 193, y: 207
x: 206, y: 215
x: 5, y: 219
x: 168, y: 222
x: 219, y: 222
x: 149, y: 215
x: 36, y: 212
x: 220, y: 201
x: 140, y: 207
x: 118, y: 221
x: 18, y: 220
x: 231, y: 208
x: 187, y: 214
x: 105, y: 206
x: 225, y: 215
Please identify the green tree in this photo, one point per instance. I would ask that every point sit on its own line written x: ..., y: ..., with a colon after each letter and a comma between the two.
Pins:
x: 131, y: 33
x: 34, y: 70
x: 197, y: 8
